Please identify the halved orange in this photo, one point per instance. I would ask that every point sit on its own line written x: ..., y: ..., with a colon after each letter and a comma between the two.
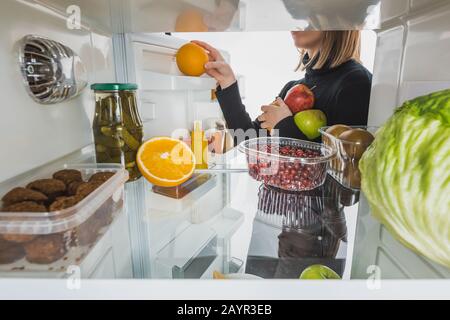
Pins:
x: 191, y: 59
x: 166, y: 162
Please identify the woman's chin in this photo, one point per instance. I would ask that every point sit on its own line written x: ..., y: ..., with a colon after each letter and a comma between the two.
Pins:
x: 300, y: 45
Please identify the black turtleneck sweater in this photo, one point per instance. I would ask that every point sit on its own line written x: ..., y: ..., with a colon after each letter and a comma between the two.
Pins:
x: 342, y: 93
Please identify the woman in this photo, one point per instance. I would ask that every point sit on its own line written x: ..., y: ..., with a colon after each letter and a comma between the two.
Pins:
x: 341, y: 84
x: 298, y: 230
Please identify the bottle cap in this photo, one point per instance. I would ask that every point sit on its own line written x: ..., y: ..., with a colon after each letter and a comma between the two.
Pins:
x: 114, y: 87
x: 198, y: 125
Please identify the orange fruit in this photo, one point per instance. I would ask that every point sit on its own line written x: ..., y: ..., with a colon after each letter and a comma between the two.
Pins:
x: 190, y: 21
x: 191, y: 59
x: 166, y: 162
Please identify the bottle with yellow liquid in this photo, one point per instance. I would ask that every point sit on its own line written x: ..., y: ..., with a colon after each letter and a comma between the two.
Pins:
x: 199, y: 145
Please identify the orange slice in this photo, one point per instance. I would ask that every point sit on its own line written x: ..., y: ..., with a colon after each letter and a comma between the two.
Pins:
x: 166, y: 162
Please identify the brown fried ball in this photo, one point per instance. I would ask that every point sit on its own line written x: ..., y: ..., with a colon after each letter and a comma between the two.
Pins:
x: 10, y: 252
x: 17, y: 195
x: 73, y: 186
x: 19, y: 238
x: 46, y: 249
x: 52, y: 188
x: 68, y: 176
x: 105, y: 212
x: 26, y: 206
x: 87, y: 188
x: 88, y: 232
x: 101, y: 176
x: 64, y: 203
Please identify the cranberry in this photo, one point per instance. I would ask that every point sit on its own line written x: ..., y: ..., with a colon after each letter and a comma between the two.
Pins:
x: 290, y: 175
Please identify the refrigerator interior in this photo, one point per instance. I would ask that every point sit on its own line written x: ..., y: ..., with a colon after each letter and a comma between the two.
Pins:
x: 162, y: 237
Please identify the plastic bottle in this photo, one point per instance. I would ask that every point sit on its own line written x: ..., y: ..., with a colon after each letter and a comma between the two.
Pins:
x: 199, y: 146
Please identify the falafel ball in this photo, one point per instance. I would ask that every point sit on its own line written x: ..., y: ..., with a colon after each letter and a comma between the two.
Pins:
x: 88, y: 232
x: 68, y: 176
x: 64, y: 203
x: 87, y: 188
x: 17, y: 195
x: 101, y: 176
x: 46, y: 249
x: 10, y: 252
x: 52, y: 188
x: 18, y: 238
x: 73, y: 186
x: 26, y: 206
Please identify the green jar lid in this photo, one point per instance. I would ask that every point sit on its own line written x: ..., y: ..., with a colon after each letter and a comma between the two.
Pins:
x: 114, y: 87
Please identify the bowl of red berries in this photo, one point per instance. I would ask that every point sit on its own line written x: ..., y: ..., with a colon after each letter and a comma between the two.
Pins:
x: 287, y: 164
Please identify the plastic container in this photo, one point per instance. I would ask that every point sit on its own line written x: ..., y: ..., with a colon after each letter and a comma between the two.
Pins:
x: 345, y: 167
x: 53, y: 241
x: 289, y: 210
x: 303, y: 168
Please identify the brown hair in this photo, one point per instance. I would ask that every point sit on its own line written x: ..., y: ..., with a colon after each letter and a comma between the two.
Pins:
x: 336, y: 48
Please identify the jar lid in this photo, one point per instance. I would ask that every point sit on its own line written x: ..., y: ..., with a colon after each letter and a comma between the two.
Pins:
x: 114, y: 87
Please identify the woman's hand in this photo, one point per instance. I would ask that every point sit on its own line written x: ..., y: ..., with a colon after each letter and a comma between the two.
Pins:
x: 273, y: 114
x: 217, y: 67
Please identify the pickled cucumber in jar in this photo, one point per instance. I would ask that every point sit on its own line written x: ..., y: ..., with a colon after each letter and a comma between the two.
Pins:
x: 118, y: 130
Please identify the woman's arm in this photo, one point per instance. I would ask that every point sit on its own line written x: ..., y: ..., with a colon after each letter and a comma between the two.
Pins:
x: 234, y: 110
x: 228, y: 92
x: 237, y: 117
x: 284, y: 124
x: 281, y: 118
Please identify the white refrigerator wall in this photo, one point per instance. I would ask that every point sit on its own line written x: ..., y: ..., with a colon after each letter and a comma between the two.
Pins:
x: 33, y: 134
x: 412, y: 56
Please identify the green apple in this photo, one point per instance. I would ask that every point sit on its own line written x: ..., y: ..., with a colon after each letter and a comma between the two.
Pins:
x: 310, y: 121
x: 319, y: 272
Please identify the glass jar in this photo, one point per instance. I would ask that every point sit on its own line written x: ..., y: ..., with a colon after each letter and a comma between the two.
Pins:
x: 117, y: 127
x: 220, y: 140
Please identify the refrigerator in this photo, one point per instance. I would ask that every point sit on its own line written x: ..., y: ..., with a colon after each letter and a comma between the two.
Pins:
x: 159, y: 237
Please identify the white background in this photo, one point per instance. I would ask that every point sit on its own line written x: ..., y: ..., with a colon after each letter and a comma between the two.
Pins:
x: 267, y: 60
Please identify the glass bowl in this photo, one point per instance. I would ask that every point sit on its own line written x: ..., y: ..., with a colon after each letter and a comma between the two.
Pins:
x: 288, y: 164
x: 345, y: 166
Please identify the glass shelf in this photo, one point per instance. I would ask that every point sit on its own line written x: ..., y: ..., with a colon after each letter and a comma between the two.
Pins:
x: 237, y: 226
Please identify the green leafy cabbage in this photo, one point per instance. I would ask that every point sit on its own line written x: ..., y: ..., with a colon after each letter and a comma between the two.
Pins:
x: 406, y: 175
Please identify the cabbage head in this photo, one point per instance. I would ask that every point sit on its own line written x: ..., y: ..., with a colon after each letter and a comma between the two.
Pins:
x: 406, y: 175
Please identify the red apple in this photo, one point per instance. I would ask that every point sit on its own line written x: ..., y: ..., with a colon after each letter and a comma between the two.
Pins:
x: 299, y: 98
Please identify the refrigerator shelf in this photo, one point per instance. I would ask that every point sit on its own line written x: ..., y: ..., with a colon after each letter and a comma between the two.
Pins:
x: 160, y: 81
